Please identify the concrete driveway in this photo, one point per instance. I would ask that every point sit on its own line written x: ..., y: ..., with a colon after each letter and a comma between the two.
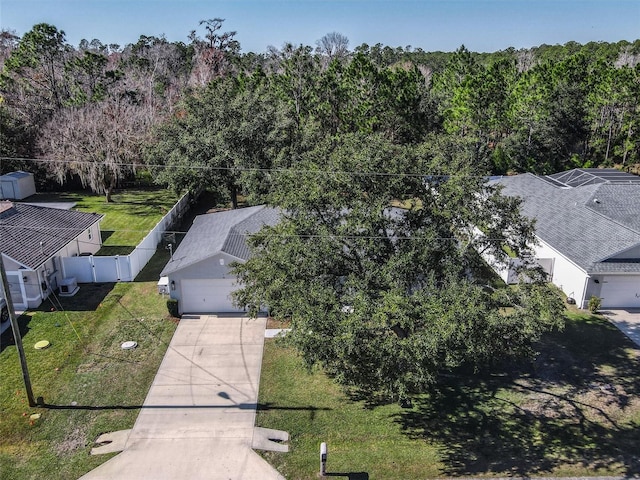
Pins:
x: 198, y: 419
x: 627, y: 321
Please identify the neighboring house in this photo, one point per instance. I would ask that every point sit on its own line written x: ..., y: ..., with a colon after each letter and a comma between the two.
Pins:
x: 198, y: 275
x: 33, y: 239
x: 588, y: 228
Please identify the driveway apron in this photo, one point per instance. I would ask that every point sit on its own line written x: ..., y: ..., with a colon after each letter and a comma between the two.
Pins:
x: 627, y: 320
x: 197, y: 421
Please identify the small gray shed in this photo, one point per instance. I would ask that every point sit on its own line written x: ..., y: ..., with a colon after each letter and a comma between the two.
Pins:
x: 17, y: 185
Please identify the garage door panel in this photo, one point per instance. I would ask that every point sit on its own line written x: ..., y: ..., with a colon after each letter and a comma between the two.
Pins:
x: 210, y: 295
x: 620, y: 292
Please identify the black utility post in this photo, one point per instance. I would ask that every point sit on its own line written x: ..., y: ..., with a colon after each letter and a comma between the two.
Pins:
x: 16, y: 334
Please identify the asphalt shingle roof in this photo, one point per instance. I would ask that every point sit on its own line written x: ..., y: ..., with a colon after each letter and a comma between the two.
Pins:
x: 620, y: 203
x: 590, y: 176
x: 587, y: 224
x: 31, y: 234
x: 220, y: 232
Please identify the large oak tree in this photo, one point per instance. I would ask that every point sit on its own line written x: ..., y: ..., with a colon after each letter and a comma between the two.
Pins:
x: 222, y: 138
x: 388, y: 298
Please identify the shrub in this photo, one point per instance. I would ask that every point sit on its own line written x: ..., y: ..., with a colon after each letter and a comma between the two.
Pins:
x: 594, y: 304
x: 172, y: 306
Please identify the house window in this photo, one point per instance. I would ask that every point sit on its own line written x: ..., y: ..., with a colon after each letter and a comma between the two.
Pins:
x: 89, y: 233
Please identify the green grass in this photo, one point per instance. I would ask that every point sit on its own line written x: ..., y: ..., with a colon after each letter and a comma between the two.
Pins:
x: 575, y: 411
x: 84, y: 365
x: 313, y: 410
x: 509, y: 251
x: 127, y: 219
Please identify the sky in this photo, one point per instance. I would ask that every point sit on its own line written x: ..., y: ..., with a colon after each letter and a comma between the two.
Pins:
x: 433, y: 25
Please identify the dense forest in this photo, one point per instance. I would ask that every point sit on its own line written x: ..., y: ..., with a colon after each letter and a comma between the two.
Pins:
x: 203, y: 115
x: 335, y: 136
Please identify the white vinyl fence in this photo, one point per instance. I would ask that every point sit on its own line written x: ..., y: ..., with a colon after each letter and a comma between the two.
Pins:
x: 123, y: 268
x: 509, y: 273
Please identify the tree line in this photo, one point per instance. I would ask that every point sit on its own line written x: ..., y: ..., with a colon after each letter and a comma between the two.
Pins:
x: 376, y: 157
x: 202, y: 115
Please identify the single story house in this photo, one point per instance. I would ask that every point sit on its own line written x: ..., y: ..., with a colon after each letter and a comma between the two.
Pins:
x: 198, y: 274
x: 34, y: 238
x: 588, y: 229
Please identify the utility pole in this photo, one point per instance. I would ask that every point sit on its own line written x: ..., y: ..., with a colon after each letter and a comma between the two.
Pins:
x: 323, y: 459
x: 16, y: 334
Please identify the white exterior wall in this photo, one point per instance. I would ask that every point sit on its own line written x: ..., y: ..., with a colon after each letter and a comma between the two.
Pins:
x: 84, y: 243
x: 32, y: 288
x: 570, y: 278
x: 25, y: 285
x: 16, y: 284
x: 206, y: 269
x: 88, y: 241
x: 52, y: 273
x: 10, y: 264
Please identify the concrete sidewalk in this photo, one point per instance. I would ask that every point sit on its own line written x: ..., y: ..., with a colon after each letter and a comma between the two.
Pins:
x: 198, y: 419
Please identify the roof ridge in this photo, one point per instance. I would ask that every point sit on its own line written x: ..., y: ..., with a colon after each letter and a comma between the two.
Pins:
x: 590, y: 208
x: 235, y: 232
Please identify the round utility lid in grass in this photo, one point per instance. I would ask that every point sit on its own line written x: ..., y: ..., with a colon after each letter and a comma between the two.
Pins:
x: 41, y: 345
x: 129, y: 345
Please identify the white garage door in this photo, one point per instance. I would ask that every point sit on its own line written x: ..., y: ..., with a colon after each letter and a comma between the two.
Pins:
x: 207, y: 296
x: 621, y: 291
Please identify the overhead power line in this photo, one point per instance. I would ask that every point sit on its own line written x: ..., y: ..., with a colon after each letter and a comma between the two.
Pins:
x: 251, y: 169
x: 577, y: 238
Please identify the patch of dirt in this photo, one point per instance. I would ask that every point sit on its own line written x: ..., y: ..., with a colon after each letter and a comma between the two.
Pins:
x: 542, y: 405
x: 555, y: 364
x: 91, y: 367
x: 608, y: 402
x: 73, y: 441
x: 272, y: 323
x: 599, y: 402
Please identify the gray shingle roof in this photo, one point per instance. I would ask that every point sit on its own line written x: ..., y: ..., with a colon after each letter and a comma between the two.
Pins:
x: 220, y: 232
x: 31, y: 234
x: 616, y: 267
x: 591, y: 176
x: 620, y: 203
x: 587, y: 224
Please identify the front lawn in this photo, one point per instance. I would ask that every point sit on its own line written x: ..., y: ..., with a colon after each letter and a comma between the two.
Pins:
x: 574, y: 412
x: 127, y: 219
x: 89, y: 383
